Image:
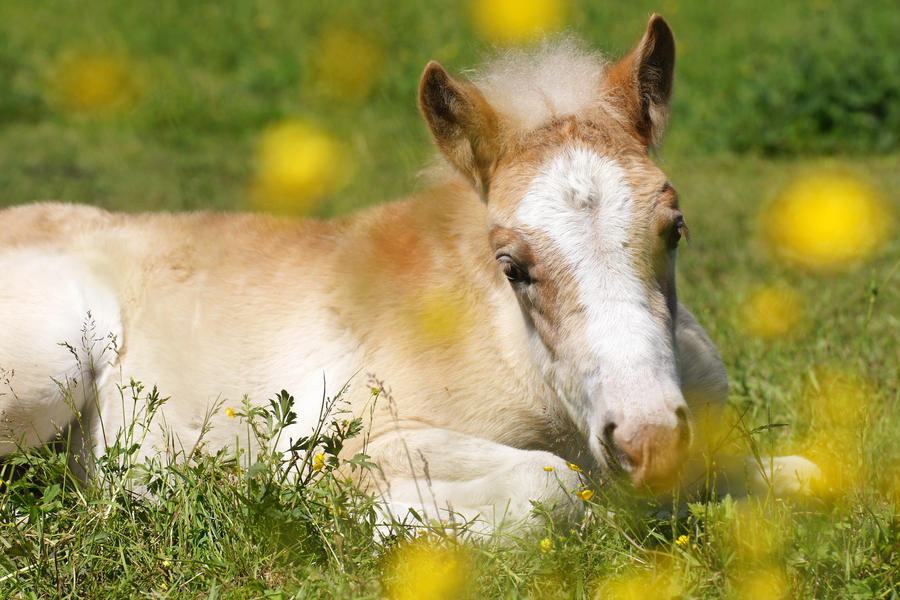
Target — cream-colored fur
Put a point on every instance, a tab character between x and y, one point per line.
487	397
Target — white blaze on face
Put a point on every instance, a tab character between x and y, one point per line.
624	360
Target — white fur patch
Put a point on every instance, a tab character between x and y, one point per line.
583	202
47	300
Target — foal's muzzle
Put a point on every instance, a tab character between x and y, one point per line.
650	455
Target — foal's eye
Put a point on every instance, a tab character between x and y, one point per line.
679	231
513	270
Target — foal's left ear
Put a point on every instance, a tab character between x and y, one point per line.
463	124
642	81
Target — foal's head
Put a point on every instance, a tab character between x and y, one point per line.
585	228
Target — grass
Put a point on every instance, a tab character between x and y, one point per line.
211	77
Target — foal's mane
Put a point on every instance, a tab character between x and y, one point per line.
529	88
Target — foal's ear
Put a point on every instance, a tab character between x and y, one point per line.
642	81
463	124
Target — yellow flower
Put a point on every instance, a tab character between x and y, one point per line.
767	583
442	315
318	462
422	570
95	82
772	311
682	540
574	467
297	164
229	413
662	581
546	545
347	62
517	21
585	494
165	564
548	469
826	221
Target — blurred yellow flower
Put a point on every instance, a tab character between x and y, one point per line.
661	582
347	62
838	408
548	468
95	82
297	164
826	221
421	570
229	413
758	533
442	315
585	494
318	462
573	466
682	540
772	311
546	545
517	21
767	583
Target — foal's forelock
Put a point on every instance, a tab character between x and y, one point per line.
612	338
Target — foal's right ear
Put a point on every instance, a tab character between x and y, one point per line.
463	124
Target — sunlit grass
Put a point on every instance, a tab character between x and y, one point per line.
200	113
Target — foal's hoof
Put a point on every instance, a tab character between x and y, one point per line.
788	476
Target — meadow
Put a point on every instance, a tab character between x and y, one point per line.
186	106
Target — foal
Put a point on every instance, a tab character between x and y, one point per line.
522	311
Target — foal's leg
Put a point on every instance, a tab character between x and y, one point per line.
704	385
450	476
59	330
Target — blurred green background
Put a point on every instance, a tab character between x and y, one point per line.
182	105
204	79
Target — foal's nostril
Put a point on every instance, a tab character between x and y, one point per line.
608	438
684	426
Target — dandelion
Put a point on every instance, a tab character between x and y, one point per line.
772	311
682	541
826	222
767	583
546	545
517	21
95	82
318	462
574	467
229	412
297	164
661	581
421	570
548	469
441	315
585	494
839	406
347	62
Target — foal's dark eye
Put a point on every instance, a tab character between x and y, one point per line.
679	231
515	272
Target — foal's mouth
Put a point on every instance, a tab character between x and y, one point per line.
618	464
